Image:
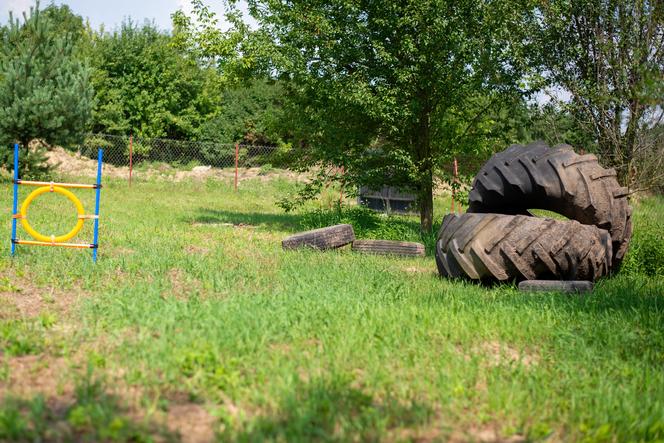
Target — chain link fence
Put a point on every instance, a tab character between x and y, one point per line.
131	150
140	157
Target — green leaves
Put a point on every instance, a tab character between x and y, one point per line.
45	89
609	56
147	85
406	79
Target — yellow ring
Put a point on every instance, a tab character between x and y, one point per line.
57	189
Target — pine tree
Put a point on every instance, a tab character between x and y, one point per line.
45	90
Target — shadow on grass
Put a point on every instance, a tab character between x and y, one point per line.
332	410
281	222
92	415
366	223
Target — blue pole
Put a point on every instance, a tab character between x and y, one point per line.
15	206
95	242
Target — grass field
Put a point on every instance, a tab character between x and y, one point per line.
195	325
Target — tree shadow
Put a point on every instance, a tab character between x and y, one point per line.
330	409
102	417
281	222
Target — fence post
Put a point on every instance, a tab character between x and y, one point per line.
456	181
343	182
456	176
452	209
237	152
131	156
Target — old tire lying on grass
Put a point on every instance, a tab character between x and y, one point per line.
330	237
389	247
556	179
505	247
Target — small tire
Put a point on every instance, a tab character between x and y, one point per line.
507	247
557	179
331	237
389	247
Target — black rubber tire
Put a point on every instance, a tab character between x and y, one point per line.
389	247
330	237
506	247
556	179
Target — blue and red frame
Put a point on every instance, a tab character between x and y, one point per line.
15	214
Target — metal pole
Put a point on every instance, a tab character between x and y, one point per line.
341	192
15	205
454	182
95	241
237	152
456	177
131	156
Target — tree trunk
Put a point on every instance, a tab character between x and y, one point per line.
425	166
628	142
426	201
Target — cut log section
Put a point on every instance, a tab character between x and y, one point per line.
331	237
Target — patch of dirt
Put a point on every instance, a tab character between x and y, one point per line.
436	432
37	374
29	300
183	286
52	378
234	225
119	250
192	422
196	250
484	434
70	163
420	270
497	353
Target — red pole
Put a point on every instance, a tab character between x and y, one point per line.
341	192
456	178
456	173
237	152
131	156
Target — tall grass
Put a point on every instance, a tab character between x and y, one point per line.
194	301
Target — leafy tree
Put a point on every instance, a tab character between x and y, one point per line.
387	89
65	22
45	91
251	114
609	55
147	86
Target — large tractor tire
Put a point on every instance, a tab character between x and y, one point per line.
507	247
556	179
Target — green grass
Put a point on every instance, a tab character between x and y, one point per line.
193	301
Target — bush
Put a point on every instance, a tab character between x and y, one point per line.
646	250
32	164
113	151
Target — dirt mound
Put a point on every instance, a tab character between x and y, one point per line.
74	164
70	163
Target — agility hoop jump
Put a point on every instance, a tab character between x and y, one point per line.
58	188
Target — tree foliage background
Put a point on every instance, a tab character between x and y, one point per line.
390	91
609	56
45	89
